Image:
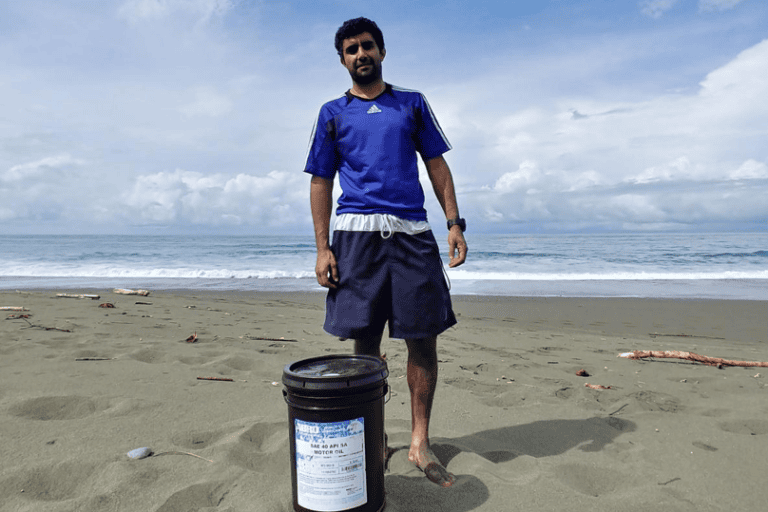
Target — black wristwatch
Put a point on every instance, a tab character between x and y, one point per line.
458	222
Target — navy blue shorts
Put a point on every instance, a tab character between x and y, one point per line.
399	280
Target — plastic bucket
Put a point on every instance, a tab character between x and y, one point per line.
336	420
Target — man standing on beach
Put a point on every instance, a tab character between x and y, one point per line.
384	264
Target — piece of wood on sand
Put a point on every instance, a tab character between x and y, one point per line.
124	291
690	356
13	308
78	296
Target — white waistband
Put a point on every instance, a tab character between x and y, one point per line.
383	222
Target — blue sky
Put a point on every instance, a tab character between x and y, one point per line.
193	116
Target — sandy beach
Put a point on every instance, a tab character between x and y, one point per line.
82	385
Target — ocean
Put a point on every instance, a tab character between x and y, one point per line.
669	265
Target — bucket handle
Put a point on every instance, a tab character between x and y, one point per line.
388	393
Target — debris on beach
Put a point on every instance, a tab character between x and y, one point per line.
106	305
146	451
124	291
26	317
261	338
220	379
582	373
655	334
78	296
596	386
690	356
13	308
140	453
17	317
192	338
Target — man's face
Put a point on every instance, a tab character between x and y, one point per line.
362	58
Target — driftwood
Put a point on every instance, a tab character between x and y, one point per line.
690	356
124	291
596	386
12	308
259	338
78	296
655	334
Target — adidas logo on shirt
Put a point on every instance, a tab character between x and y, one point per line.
374	109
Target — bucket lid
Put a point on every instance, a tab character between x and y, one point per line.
335	372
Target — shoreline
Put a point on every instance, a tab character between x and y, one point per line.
511	418
716	289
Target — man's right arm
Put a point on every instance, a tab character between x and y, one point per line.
321	202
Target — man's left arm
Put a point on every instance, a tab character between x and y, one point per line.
442	183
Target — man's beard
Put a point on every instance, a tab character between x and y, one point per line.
368	79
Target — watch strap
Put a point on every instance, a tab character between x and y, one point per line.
457	222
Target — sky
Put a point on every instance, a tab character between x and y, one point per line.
194	116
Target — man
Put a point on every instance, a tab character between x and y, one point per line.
384	264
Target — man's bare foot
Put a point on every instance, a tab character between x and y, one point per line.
427	461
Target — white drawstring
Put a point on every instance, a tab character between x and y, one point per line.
387	227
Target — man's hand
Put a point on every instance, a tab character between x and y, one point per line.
456	241
326	269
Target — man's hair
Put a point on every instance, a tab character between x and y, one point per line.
355	27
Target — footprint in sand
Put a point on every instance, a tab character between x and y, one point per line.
652	401
196	497
471	384
52	483
239	363
196	440
149	355
265	445
745	427
193	361
551	350
48	408
590	481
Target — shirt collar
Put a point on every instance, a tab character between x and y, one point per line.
387	90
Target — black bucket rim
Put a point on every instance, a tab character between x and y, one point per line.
297	381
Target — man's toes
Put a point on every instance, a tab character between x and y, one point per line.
438	474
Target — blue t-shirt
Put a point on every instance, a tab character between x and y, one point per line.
372	144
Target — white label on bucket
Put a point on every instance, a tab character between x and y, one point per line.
330	465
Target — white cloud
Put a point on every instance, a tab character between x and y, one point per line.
526	175
678	169
717	5
38	168
675	140
750	170
741	81
656	8
276	199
